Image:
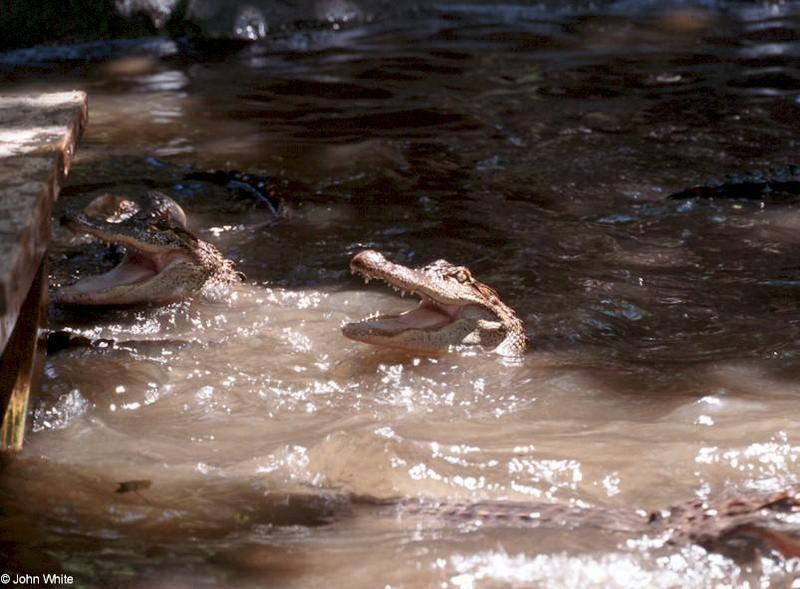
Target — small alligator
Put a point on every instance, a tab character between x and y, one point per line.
455	310
780	185
164	262
248	190
262	191
740	526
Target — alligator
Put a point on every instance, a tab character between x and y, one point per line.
261	191
244	190
59	340
455	310
164	262
740	526
776	186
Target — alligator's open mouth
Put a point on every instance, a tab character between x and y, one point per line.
140	269
429	326
429	315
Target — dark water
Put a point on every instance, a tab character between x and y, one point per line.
539	150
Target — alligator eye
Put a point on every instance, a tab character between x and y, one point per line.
463	276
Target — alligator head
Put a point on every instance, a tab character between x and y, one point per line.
455	310
163	262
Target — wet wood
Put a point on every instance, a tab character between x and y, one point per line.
21	362
38	138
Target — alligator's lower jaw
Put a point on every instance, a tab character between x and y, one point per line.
138	279
431	327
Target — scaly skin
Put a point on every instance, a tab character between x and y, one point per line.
740	526
164	261
456	310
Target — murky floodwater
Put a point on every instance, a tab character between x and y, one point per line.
536	149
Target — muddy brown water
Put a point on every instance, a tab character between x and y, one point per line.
535	148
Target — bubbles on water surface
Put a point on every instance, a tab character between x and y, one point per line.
60	415
250	23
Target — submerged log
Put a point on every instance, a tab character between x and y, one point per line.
38	137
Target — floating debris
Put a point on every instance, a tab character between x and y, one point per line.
133	486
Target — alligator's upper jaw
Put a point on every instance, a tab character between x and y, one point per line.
371	265
139	278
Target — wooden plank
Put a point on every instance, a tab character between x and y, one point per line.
38	138
21	362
